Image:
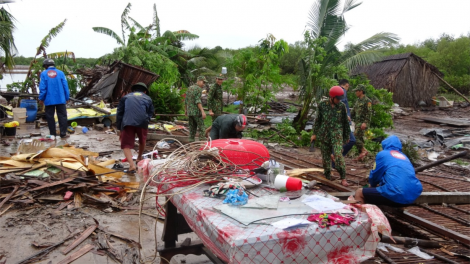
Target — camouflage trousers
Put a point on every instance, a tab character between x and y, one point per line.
196	124
214	117
359	134
335	146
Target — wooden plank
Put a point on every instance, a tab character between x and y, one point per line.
80	239
9	196
435	227
77	254
448	121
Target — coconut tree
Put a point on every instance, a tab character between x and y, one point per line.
7	43
322	60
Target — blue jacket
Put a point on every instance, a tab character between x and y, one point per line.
395	174
53	88
134	109
345	101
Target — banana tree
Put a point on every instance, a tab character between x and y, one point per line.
327	21
32	77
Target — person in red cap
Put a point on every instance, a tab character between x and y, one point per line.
227	126
332	130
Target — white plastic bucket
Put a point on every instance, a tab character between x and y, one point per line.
19	114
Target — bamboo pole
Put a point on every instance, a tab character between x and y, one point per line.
455	90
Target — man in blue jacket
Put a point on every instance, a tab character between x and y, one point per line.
393	179
54	94
132	118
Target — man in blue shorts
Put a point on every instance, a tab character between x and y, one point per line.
393	181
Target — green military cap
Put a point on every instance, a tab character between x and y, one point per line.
202	78
141	84
220	76
360	87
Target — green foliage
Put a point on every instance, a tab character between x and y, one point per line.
382	102
7	41
461	162
408	148
288	132
166	99
292	109
259	71
289	62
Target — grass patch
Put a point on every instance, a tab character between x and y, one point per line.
461	162
451	97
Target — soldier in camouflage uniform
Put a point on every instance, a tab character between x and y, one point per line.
332	130
194	111
214	99
361	115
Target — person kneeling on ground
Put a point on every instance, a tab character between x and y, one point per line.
133	116
395	177
227	126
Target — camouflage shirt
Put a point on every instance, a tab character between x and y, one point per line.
193	98
362	111
331	122
214	99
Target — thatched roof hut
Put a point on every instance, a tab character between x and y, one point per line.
410	78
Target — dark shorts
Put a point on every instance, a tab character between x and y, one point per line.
372	196
128	136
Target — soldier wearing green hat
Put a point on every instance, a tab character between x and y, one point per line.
361	115
194	111
214	99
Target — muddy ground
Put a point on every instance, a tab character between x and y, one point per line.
41	223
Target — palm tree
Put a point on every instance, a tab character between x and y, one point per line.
323	60
7	42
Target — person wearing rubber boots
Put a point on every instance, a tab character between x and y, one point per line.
361	115
54	94
332	130
215	100
194	111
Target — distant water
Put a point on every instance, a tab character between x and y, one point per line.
8	79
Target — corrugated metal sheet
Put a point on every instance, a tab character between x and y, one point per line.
116	82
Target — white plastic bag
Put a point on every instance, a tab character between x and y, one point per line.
417	252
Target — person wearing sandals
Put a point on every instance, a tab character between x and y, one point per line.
132	118
361	115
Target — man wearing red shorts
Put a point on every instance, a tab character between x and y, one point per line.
132	118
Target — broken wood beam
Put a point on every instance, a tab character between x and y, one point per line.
92	106
411	241
435	227
9	196
435	163
425	197
77	254
455	90
80	239
45	251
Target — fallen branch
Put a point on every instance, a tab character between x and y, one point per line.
435	163
92	106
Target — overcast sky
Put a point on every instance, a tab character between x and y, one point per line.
229	24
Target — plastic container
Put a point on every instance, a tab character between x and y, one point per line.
31	109
291	184
84	130
78	130
248	154
74	124
19	114
9	131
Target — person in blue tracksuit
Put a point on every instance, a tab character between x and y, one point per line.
393	181
54	94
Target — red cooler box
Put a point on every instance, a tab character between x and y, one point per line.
248	154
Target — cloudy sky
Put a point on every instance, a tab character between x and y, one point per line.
230	24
